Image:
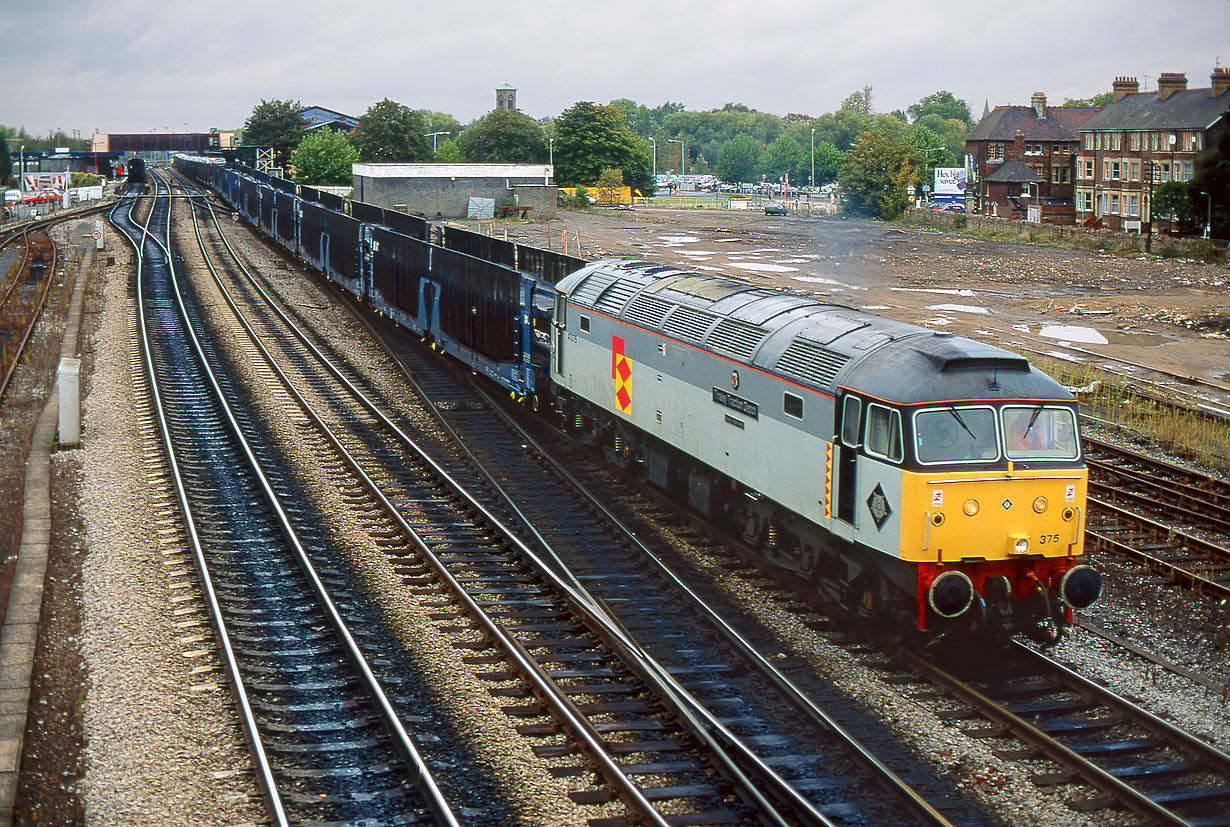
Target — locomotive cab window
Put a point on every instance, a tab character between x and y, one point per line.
1039	432
956	434
884	432
792	405
585	324
850	410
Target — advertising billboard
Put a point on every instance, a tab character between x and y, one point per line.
44	186
949	184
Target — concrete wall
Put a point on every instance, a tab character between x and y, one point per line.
446	190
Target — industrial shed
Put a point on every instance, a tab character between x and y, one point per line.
446	189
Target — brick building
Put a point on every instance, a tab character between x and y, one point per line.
1019	156
1143	140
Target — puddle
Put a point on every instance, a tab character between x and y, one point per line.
1120	337
938	322
1073	333
816	280
876	307
698	253
960	308
763	268
678	239
943	291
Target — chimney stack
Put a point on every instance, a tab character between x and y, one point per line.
1220	80
1169	83
1124	86
1038	101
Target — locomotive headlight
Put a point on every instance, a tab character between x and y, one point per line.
1040	504
970	508
1021	545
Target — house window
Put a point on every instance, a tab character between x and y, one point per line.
1086	201
1134	141
1133	205
1134	170
1088	162
1163	173
1114	203
1116	139
1199	142
1055	173
1067	175
1114	170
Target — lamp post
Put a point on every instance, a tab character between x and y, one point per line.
654	144
433	135
551	151
813	157
683	160
1208	221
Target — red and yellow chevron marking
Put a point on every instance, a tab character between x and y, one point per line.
828	480
621	369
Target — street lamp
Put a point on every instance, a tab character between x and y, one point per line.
551	151
655	158
1208	221
683	161
433	135
812	181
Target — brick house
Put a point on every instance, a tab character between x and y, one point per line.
1043	140
1143	140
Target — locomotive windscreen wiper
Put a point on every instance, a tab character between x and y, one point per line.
1032	419
961	422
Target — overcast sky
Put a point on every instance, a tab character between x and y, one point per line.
137	66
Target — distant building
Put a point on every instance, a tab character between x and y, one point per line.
506	97
1042	141
316	117
1143	140
447	189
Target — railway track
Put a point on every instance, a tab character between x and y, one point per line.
1114	754
24	293
326	742
1173	520
633	695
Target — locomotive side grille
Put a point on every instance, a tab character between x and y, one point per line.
615	297
647	311
688	323
737	338
811	362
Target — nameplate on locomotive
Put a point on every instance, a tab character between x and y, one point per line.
736	403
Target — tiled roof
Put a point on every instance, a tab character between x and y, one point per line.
1012	172
1189	109
1062	123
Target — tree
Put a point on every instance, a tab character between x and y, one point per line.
504	136
609	184
1099	100
590	138
858	101
6	161
942	103
828	162
1212	181
447	152
277	124
390	132
1173	201
441	122
739	159
785	157
951	132
324	157
875	173
931	153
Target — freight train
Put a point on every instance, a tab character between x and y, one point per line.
926	483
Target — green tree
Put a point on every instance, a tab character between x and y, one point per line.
1210	187
875	173
859	101
447	152
277	124
609	183
1098	100
6	162
441	122
504	136
590	138
324	157
942	103
785	157
390	132
931	153
739	159
828	162
1173	201
951	132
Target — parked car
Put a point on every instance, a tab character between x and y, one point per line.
775	208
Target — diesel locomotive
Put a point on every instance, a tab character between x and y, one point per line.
927	483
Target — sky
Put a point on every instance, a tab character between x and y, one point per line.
134	66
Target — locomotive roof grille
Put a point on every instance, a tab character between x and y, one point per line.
647	311
688	323
593	285
737	338
615	297
811	363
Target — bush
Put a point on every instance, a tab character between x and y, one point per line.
1206	251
